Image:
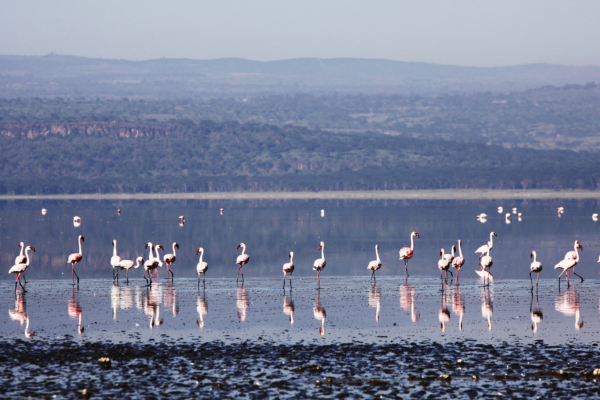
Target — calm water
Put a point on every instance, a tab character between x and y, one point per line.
347	306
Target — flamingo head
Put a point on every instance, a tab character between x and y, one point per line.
578	246
82	238
21	244
200	249
321	245
158	246
415	234
376	247
114	242
291	255
140	260
148	245
441	252
176	245
599	259
240	245
453	248
494	233
532	254
30	248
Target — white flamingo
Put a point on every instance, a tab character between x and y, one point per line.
536	267
151	264
459	261
202	266
115	259
444	262
20	259
487	262
288	268
406	253
75	258
170	259
18	269
320	263
569	262
484	249
128	264
375	264
242	260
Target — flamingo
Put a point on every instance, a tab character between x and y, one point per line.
536	267
406	253
19	313
76	221
18	269
115	259
514	210
151	264
445	262
487	262
507	218
594	217
202	266
157	258
459	261
181	220
20	259
242	260
44	211
289	268
375	264
170	259
569	263
128	264
320	263
483	249
221	211
500	210
75	258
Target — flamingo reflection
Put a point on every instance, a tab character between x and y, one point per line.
120	298
536	315
458	306
407	301
151	304
171	298
242	302
75	310
320	313
568	304
202	309
375	300
19	313
487	305
288	306
444	313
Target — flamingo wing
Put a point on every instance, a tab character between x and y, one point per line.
458	262
482	249
15	269
319	264
406	253
243	259
75	257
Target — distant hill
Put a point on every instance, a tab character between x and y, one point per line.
57	75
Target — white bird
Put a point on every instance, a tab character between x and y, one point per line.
594	217
44	211
20	259
487	262
483	249
482	218
375	264
115	259
507	218
75	258
500	210
320	263
202	266
128	264
242	260
519	216
445	262
570	261
459	261
152	263
170	259
514	210
289	268
536	267
18	269
76	221
406	253
322	213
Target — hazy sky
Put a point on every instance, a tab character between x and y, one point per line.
459	32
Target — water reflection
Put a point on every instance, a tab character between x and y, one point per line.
75	310
444	313
375	300
121	298
458	306
202	308
487	305
151	299
536	314
320	313
288	306
243	303
19	312
171	298
568	304
407	301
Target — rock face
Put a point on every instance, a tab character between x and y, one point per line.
110	129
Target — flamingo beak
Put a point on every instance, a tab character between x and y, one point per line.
495	234
176	245
82	239
146	246
417	235
239	245
32	249
580	246
319	247
531	255
197	251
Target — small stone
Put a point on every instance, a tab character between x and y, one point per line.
318	383
596	372
446	377
474	378
394	324
460	361
104	362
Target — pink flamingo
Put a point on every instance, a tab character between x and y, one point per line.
202	266
288	268
459	261
242	260
75	258
487	262
572	254
170	259
569	263
115	260
484	249
20	259
375	264
536	267
406	253
151	264
320	263
445	262
18	269
128	264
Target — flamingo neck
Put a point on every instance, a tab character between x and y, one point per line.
534	256
377	253
243	249
412	242
157	255
80	250
460	248
443	253
491	240
150	257
22	246
292	259
201	254
115	249
323	252
174	250
27	257
577	253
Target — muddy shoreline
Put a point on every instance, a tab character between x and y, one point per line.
259	369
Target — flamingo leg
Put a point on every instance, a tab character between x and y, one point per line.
537	280
318	279
291	279
531	280
577	275
74	274
127	276
406	267
242	267
238	273
172	274
284	275
25	279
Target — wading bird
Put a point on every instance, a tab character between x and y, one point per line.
459	261
170	259
242	260
115	259
18	269
445	262
569	262
20	259
202	266
484	249
75	258
536	267
320	263
128	264
375	264
406	253
487	262
288	268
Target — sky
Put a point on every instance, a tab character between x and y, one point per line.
480	33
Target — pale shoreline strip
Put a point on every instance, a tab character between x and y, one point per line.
435	194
